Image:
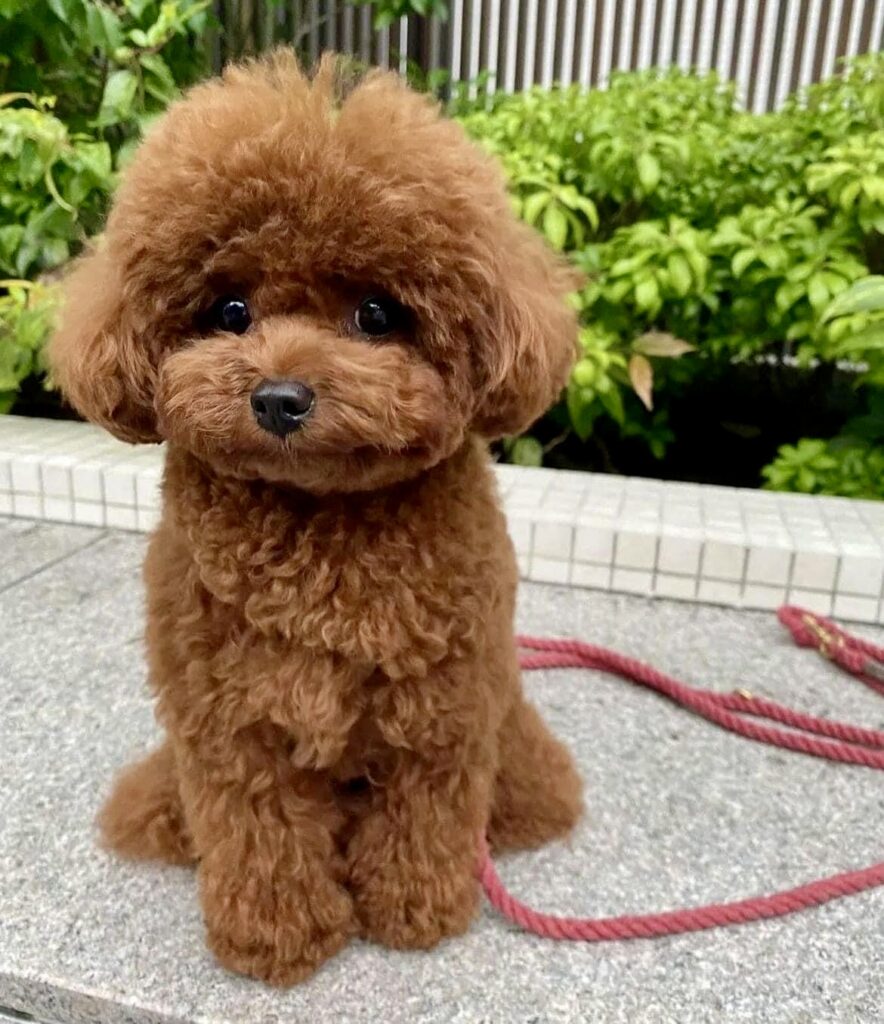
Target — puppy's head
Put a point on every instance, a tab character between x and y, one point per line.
314	288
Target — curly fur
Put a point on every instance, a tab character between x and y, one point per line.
329	614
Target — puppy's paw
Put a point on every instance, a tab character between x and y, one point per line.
279	934
406	907
292	957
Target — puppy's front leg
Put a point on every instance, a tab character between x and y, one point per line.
412	858
269	872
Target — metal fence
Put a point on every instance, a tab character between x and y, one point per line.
770	47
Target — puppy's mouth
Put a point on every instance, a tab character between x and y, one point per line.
323	420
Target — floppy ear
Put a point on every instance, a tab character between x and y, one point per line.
96	359
532	336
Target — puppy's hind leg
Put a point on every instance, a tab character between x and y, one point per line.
143	818
538	793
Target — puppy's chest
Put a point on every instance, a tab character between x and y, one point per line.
384	589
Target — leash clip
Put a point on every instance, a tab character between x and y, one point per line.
828	641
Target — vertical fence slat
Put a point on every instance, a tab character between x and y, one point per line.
403	45
511	46
456	39
569	33
627	28
707	35
811	34
686	33
382	37
768	43
364	34
435	45
606	42
347	28
830	53
586	44
666	41
787	51
474	45
726	36
647	26
529	43
856	24
549	43
747	46
313	32
330	28
493	25
877	40
530	51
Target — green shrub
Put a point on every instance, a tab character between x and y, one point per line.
26	314
852	462
79	80
727	233
108	64
53	186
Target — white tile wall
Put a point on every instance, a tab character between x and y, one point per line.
76	473
751	549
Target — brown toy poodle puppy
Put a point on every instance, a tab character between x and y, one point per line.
317	294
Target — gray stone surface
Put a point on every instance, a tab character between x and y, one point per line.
679	813
26	547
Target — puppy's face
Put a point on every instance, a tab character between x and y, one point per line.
329	293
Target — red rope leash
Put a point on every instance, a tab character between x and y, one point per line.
737	712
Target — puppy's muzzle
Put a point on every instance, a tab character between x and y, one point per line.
281	406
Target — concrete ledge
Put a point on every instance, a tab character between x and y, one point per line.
691	542
679	814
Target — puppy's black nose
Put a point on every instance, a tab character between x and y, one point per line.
281	406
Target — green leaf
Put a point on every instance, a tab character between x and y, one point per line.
679	273
95	34
533	206
612	400
647	295
848	195
741	261
95	158
159	81
817	291
869	340
774	256
113	28
629	264
788	294
863	296
118	97
527	451
555	226
582	409
648	171
138	7
66	11
384	18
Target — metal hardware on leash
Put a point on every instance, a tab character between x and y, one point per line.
737	712
828	641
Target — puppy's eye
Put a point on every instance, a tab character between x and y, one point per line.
377	315
230	313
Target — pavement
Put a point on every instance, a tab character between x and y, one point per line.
679	814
